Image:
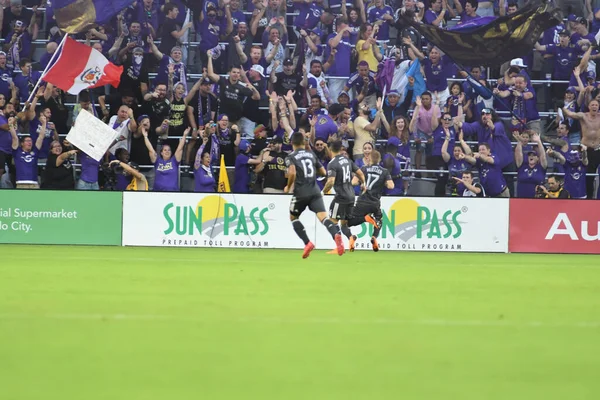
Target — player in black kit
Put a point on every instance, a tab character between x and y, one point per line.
339	177
303	168
368	205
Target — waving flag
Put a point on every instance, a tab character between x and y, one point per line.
81	67
74	16
495	42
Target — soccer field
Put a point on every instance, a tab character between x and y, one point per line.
150	323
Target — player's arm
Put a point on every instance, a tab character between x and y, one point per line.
329	184
321	171
291	178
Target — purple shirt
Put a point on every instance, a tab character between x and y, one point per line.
167	175
205	182
528	178
34	130
490	176
575	179
498	141
308	15
565	59
26	164
89	169
325	127
341	64
242	174
398	189
376	14
437	75
210	33
438	140
356	82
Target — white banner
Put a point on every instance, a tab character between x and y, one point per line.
453	224
91	135
257	221
211	220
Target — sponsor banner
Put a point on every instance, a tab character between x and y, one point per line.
554	226
262	221
60	217
211	220
435	224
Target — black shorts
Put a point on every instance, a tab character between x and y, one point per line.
340	211
314	203
363	208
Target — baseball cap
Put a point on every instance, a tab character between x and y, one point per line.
316	31
393	92
19	23
276	140
572	17
486	111
244	146
591	74
571	89
532	152
205	81
581	20
288	61
142	117
394	140
343	93
258	68
517	62
564	32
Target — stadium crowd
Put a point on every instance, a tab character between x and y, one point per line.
212	78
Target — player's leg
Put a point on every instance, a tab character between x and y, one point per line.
357	214
317	206
377	216
296	208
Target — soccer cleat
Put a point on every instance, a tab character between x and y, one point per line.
370	218
352	241
374	244
307	249
339	244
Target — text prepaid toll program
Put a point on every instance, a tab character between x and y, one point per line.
30	214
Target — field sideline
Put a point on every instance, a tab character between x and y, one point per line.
100	323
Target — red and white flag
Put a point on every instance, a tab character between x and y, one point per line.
81	67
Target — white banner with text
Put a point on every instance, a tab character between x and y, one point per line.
262	221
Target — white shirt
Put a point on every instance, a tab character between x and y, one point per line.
122	131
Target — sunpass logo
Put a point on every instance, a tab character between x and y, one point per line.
214	216
406	218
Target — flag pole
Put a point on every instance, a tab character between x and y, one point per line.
34	90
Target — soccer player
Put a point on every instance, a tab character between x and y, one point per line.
303	167
339	177
368	205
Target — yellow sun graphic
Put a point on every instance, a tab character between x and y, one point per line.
213	207
405	210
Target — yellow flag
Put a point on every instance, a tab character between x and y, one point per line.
223	178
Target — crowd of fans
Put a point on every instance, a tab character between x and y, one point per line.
212	78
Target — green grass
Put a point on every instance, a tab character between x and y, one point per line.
132	323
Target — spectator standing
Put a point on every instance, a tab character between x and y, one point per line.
172	31
26	156
229	139
445	132
166	166
576	164
232	92
364	130
205	182
532	173
456	163
490	172
338	55
26	81
59	174
367	48
124	124
425	120
243	162
467	188
88	179
272	163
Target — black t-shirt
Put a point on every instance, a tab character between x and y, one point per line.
60	114
204	102
138	152
275	171
9	18
178	120
133	76
251	106
227	146
157	111
288	82
307	165
167	41
232	98
60	177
